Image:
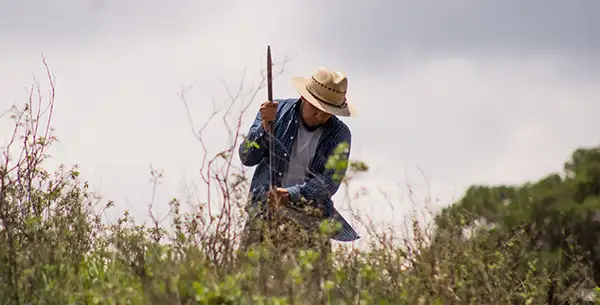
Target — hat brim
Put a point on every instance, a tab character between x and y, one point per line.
300	84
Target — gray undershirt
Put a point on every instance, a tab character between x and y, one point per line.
302	152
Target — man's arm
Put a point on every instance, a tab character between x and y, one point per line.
326	183
255	144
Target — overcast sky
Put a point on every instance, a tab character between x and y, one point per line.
469	91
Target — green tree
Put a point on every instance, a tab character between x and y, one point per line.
556	221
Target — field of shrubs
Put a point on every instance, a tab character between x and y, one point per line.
534	243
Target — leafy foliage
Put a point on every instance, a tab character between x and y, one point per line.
556	221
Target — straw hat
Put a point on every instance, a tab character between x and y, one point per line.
325	90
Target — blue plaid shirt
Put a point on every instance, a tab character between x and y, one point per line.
320	184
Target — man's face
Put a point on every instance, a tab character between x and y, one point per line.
312	115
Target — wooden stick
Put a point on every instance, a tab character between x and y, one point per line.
271	124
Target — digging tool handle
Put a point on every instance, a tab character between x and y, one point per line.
271	131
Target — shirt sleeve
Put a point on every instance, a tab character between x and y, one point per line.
325	183
255	145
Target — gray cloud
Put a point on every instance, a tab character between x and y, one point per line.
468	121
89	24
376	30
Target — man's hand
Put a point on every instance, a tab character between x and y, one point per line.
278	197
268	112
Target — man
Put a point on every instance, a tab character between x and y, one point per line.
307	133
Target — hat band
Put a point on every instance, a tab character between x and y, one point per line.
318	97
